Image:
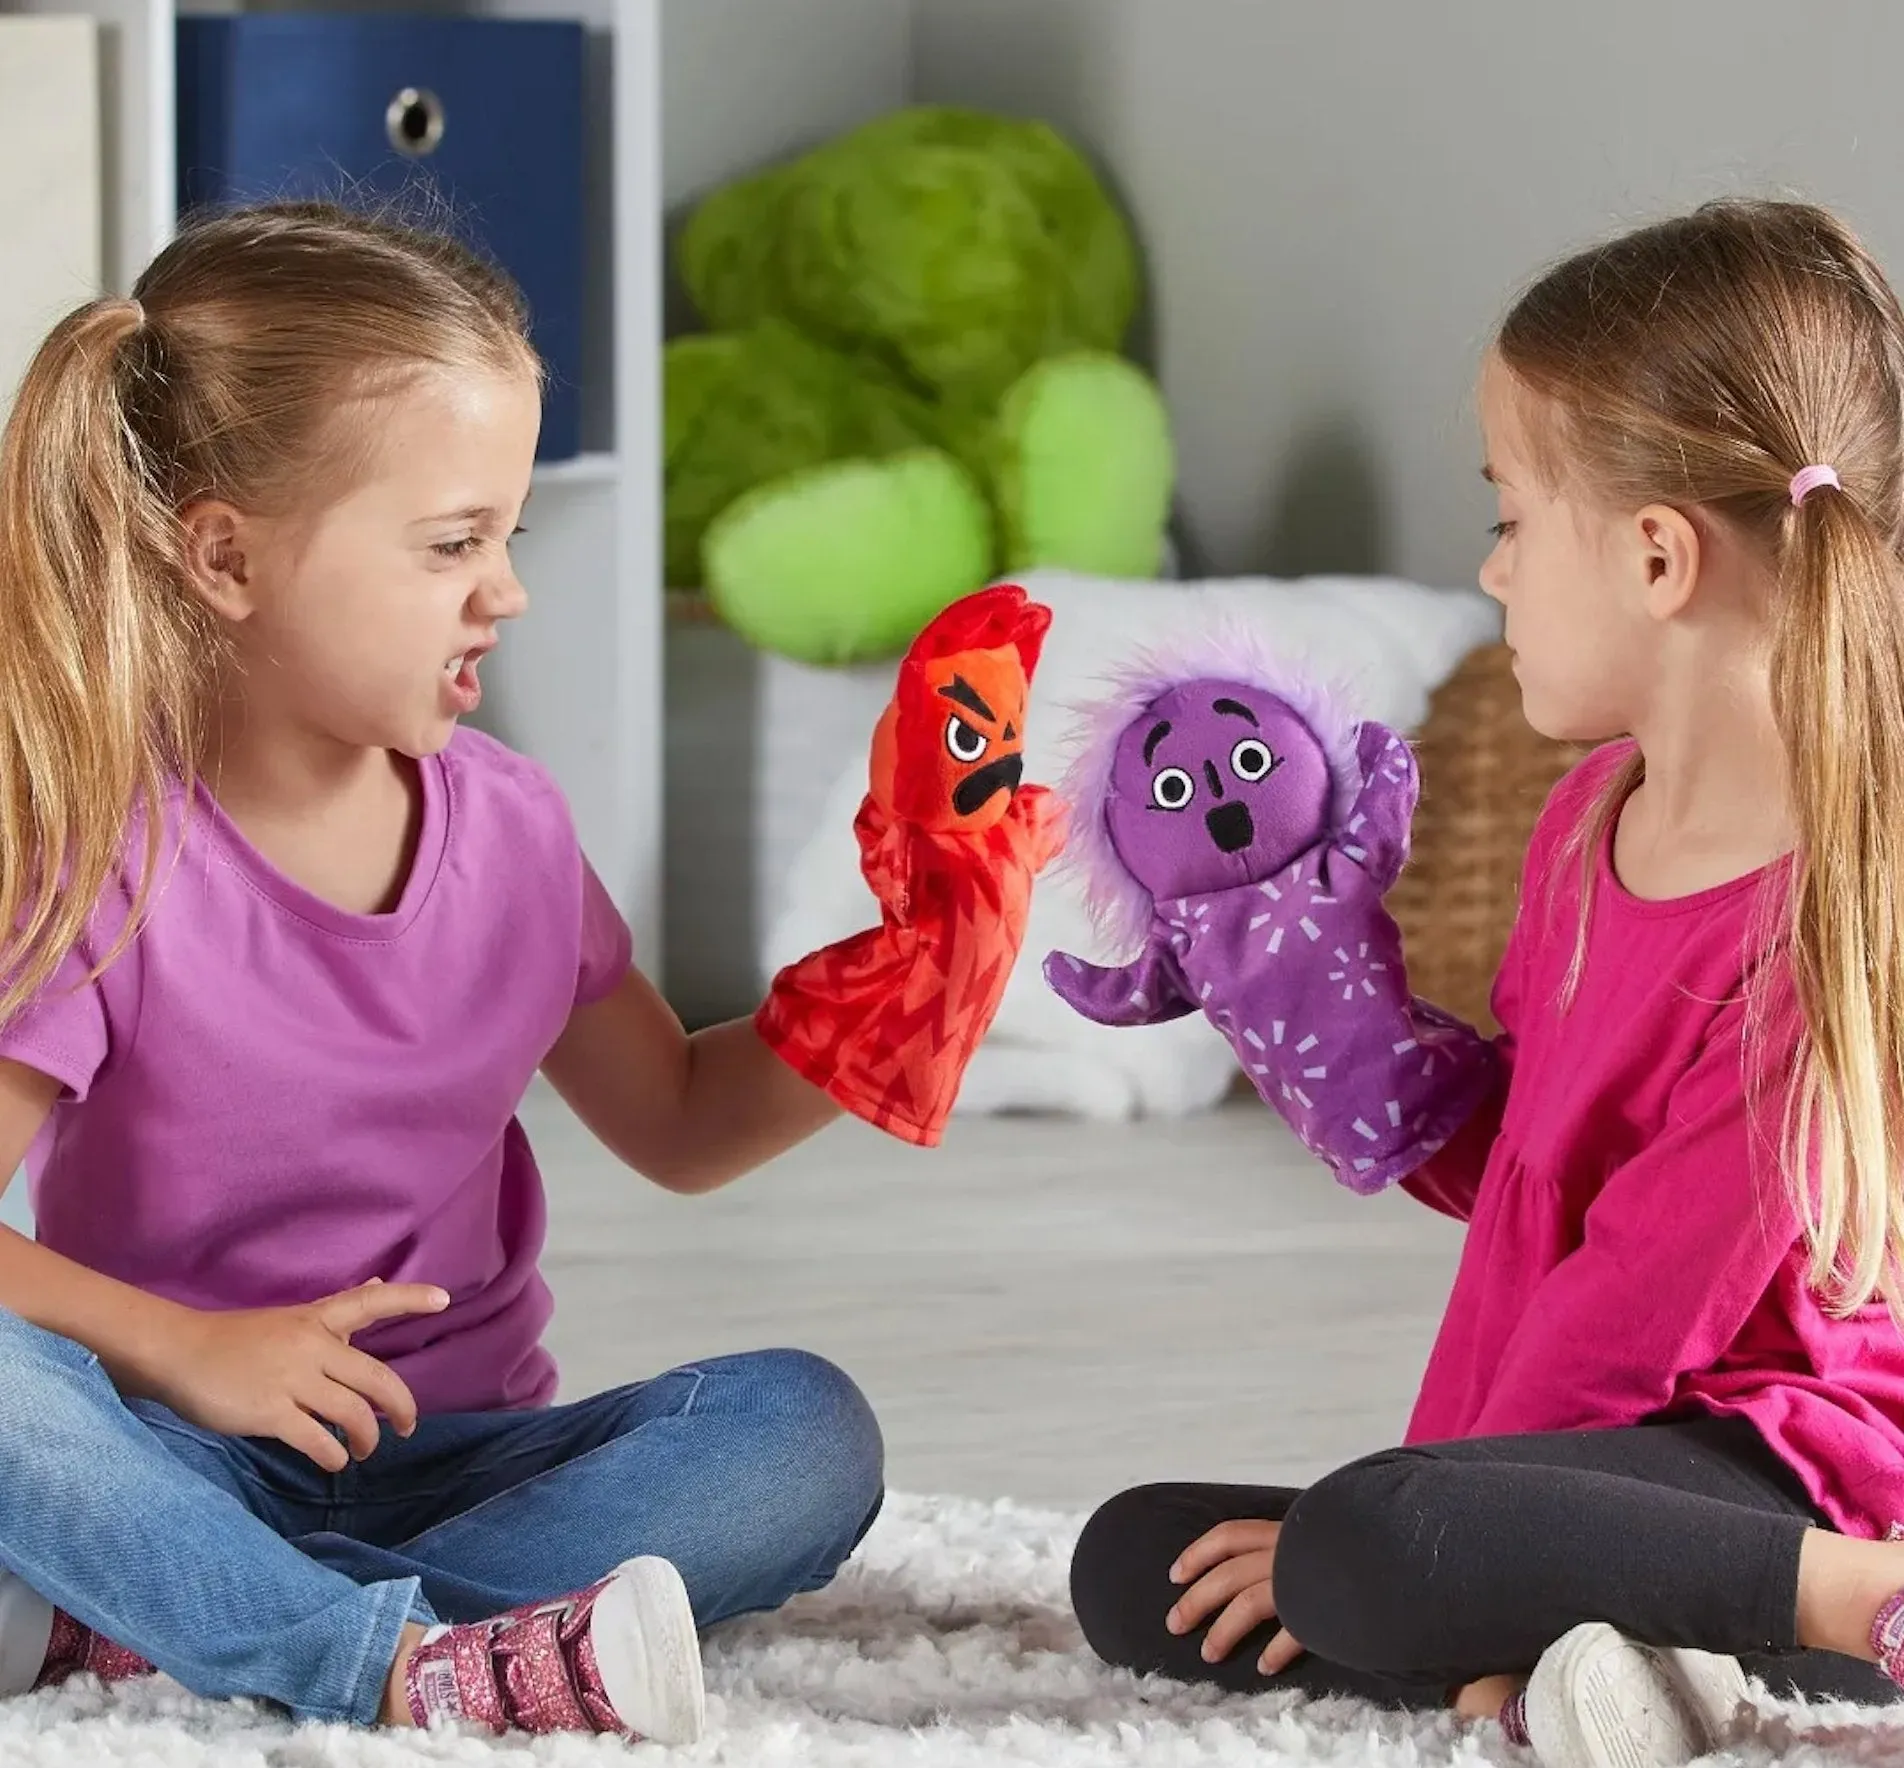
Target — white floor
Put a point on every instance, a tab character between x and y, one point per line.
1041	1313
1037	1309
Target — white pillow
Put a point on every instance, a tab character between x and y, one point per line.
1387	643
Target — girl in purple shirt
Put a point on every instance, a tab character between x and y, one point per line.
282	948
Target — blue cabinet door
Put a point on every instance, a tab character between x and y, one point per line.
488	112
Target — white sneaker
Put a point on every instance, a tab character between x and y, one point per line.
620	1657
648	1652
1598	1700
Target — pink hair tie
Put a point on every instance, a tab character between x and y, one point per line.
1807	480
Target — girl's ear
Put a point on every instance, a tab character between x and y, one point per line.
215	565
1669	556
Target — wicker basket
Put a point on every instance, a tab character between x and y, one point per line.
1485	774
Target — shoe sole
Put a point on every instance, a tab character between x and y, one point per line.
1714	1685
26	1628
1598	1700
649	1653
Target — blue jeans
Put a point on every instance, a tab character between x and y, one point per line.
239	1567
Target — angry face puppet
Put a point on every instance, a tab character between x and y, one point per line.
949	752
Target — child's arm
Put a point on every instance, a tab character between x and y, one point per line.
273	1372
690	1113
116	1322
1450	1179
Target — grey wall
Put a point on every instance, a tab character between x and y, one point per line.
1338	199
744	82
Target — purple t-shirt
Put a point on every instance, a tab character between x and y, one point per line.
268	1099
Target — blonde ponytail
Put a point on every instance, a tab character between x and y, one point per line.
1838	690
1702	362
240	372
102	656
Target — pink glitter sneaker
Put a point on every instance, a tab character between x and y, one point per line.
1887	1638
73	1649
40	1645
620	1657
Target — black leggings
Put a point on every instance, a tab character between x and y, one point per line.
1418	1570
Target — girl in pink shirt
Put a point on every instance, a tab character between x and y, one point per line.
1660	1439
281	947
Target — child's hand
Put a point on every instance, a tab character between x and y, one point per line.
1230	1568
282	1372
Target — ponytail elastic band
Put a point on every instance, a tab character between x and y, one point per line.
1807	480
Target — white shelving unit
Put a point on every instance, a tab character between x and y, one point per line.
577	684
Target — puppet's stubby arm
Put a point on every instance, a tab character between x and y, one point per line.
1375	834
1149	990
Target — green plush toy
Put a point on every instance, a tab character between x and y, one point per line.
910	385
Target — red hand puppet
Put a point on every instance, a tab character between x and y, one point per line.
950	840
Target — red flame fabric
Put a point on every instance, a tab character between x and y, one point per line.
950	840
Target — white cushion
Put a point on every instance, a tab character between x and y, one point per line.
1389	643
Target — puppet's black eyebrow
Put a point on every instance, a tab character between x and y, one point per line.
967	696
1155	737
1235	708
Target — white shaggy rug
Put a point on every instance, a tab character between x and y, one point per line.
946	1643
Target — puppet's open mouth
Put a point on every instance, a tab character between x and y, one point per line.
1001	775
1231	826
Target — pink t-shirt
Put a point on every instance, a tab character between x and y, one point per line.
268	1099
1627	1257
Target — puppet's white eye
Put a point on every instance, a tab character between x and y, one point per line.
1172	789
1251	759
962	741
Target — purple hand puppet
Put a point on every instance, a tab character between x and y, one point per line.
1234	825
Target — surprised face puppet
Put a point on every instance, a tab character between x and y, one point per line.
1215	784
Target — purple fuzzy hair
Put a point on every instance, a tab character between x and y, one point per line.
1226	650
